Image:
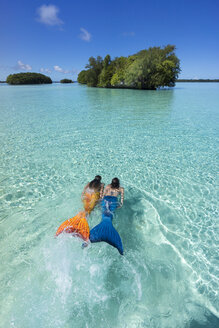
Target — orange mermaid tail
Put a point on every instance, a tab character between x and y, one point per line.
90	201
78	225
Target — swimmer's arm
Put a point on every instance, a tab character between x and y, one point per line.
105	190
101	190
122	196
84	190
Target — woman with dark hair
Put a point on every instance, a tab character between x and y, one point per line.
105	231
91	193
78	224
114	189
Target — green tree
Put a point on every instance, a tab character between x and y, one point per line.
66	81
148	69
106	73
28	78
94	69
121	64
82	77
153	68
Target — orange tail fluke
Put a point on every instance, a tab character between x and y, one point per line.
90	201
78	225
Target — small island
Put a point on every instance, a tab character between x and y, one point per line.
197	80
148	69
28	78
66	81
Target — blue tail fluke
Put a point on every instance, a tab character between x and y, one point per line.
105	231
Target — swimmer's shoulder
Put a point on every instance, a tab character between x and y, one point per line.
87	185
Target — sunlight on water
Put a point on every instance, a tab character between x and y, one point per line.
163	146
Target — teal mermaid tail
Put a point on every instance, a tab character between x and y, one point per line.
105	231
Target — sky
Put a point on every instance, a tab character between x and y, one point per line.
57	37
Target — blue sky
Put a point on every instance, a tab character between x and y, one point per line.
58	37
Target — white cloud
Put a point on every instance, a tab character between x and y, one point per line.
85	35
23	66
45	70
57	68
49	15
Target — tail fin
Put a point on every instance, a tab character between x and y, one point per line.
105	231
78	225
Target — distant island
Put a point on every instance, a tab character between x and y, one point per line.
197	80
28	78
66	81
148	69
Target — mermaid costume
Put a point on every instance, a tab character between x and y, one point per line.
90	199
105	231
78	225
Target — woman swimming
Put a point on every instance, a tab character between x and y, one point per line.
105	231
114	190
78	224
92	192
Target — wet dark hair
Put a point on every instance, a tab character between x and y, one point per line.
115	183
96	182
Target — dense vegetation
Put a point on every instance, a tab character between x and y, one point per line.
66	81
28	78
148	69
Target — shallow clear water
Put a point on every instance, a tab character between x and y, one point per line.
163	145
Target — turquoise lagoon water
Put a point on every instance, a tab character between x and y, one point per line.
163	146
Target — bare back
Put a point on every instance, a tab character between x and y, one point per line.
89	190
109	191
